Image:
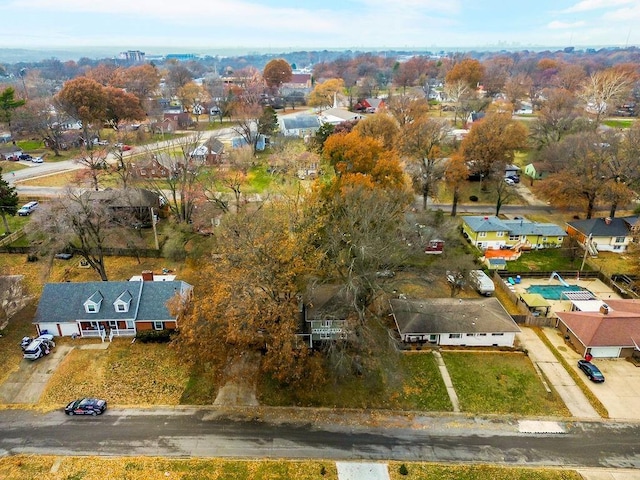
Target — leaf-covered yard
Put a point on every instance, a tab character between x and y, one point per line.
123	374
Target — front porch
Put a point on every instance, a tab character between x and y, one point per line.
104	330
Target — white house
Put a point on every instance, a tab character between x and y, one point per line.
454	321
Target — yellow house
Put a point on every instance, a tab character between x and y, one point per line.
491	232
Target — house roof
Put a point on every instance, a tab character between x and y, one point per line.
296	122
597	329
64	302
485	224
600	227
527	227
452	315
131	197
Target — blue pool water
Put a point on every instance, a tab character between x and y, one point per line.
553	292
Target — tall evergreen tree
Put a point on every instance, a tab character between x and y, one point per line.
8	201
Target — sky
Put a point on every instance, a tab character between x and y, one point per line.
200	26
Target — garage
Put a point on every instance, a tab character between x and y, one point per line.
605	352
59	329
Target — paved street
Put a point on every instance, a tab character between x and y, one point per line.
283	433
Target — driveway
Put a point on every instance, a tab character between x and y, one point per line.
555	373
620	393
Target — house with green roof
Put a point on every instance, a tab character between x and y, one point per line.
491	232
108	309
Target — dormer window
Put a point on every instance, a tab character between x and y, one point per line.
92	304
122	303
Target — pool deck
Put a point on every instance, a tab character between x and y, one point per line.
599	289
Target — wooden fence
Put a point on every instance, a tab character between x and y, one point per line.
12	237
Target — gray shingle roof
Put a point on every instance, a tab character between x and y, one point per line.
64	302
598	227
452	315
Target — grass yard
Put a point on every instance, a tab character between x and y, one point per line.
423	471
123	374
10	352
25	467
546	260
500	383
410	381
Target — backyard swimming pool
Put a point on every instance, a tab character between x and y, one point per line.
554	292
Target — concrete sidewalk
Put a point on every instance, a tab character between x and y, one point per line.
556	375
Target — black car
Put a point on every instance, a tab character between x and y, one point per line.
593	372
86	406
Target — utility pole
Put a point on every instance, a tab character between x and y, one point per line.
155	231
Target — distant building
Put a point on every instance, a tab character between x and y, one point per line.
132	56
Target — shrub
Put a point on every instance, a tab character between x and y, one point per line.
154	336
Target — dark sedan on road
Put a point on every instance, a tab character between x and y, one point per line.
591	371
86	406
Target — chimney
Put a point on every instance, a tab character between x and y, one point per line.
604	309
147	276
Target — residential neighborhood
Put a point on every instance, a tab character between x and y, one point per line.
303	242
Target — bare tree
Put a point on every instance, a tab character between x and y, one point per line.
95	163
602	90
181	190
82	224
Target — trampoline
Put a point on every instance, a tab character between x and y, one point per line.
554	292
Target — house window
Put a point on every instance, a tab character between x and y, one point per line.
455	335
499	234
619	240
158	325
482	234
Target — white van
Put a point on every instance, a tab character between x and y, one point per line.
27	209
481	282
39	347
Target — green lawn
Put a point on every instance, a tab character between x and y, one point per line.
546	260
619	123
500	383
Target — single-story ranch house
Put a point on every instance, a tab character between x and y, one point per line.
611	332
454	321
98	309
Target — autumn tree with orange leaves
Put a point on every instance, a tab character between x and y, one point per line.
249	300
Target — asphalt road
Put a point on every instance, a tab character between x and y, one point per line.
196	432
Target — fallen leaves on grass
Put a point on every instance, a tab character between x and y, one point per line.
123	374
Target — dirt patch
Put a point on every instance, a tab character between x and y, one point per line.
239	388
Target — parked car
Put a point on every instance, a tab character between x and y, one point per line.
37	159
39	347
25	156
591	371
122	147
86	406
27	209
